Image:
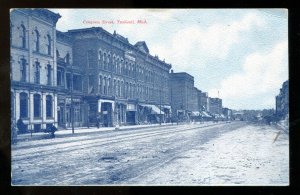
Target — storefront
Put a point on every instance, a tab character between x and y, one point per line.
131	114
106	111
64	112
149	113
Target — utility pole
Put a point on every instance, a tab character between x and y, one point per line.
72	109
160	117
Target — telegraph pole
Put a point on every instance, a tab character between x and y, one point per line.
160	117
72	110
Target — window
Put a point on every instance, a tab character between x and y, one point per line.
49	72
23	105
100	59
23	69
68	79
77	82
48	106
104	61
105	86
37	105
100	84
23	36
37	73
49	44
37	40
57	54
60	77
68	58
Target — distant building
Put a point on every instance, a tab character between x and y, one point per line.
183	94
203	101
215	106
282	101
227	113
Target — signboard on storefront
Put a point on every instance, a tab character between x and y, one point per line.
129	55
131	107
75	100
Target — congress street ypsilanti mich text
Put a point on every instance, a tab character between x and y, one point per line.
139	21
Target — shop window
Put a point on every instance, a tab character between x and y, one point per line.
37	105
23	105
49	106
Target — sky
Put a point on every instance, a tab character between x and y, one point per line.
239	55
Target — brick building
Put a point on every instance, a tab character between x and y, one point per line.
69	85
184	98
121	82
33	67
215	106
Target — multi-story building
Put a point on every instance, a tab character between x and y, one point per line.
69	85
227	113
33	67
122	82
282	101
215	106
203	101
183	94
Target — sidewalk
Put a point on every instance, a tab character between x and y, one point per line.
82	131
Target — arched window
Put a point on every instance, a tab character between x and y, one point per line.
37	40
100	85
100	59
37	105
68	58
23	36
23	105
49	74
48	106
57	54
49	44
23	69
37	73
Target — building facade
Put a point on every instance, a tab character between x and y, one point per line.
33	67
71	106
215	106
282	101
184	99
122	82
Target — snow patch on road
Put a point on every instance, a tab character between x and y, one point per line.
247	156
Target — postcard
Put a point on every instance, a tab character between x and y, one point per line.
149	97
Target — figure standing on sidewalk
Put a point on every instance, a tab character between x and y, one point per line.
98	121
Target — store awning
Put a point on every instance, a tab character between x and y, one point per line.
195	113
205	114
154	109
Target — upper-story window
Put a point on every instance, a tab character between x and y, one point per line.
23	69
68	58
49	44
49	74
100	59
37	40
37	73
23	36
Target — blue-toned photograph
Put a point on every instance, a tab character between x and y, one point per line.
149	97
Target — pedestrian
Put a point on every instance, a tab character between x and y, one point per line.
98	121
13	132
52	130
21	126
